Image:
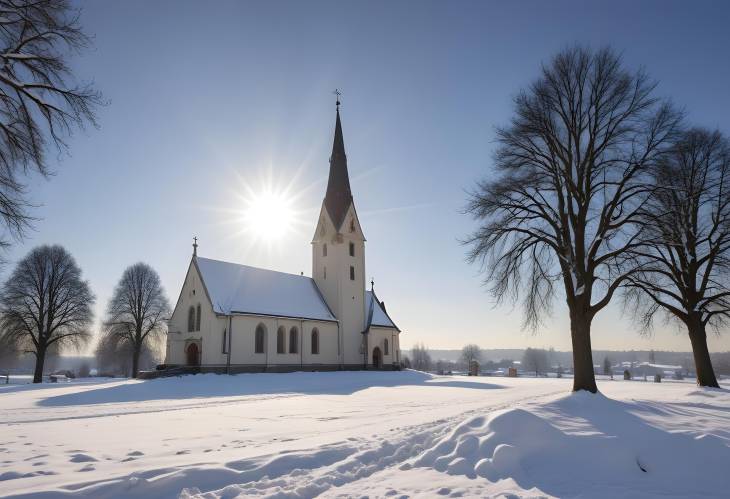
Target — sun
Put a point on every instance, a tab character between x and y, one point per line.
268	215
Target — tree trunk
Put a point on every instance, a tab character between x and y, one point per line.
580	332
703	364
40	359
135	360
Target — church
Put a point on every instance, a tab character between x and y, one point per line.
232	317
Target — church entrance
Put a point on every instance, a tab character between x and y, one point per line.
193	355
377	358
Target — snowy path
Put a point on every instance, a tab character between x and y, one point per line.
308	434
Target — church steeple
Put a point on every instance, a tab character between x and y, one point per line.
339	196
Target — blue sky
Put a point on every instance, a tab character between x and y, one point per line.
209	99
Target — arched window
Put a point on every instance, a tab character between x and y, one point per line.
260	342
281	340
324	250
352	225
191	319
315	341
293	340
385	347
197	319
352	248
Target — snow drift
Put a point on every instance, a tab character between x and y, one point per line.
603	450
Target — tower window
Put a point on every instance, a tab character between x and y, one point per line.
352	248
352	273
324	250
325	272
352	225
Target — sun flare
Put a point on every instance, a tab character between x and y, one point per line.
268	215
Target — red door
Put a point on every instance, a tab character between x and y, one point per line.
193	355
377	358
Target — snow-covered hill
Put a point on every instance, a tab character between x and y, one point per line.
349	434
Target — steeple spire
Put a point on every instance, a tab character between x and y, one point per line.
339	196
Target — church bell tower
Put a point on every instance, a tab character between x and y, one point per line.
338	255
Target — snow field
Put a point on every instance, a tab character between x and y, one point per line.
395	434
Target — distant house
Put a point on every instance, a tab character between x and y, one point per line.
232	317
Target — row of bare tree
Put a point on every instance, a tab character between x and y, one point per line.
46	305
602	187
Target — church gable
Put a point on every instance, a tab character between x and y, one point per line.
193	295
350	228
325	230
351	225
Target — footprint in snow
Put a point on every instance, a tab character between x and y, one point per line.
181	452
136	453
82	458
88	467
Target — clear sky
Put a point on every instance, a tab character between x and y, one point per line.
210	102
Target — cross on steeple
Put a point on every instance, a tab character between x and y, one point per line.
195	246
337	93
372	284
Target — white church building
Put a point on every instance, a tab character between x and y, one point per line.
236	318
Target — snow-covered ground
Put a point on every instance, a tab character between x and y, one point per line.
354	434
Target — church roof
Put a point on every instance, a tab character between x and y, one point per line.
339	196
377	316
235	288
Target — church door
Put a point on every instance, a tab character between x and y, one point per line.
193	355
377	358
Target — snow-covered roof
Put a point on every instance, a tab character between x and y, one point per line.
235	288
377	316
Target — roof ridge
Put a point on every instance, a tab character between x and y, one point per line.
255	268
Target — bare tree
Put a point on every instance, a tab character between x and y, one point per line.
421	358
569	180
138	311
470	353
45	304
40	104
113	357
535	359
607	369
685	264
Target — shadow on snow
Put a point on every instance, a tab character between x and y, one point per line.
215	385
